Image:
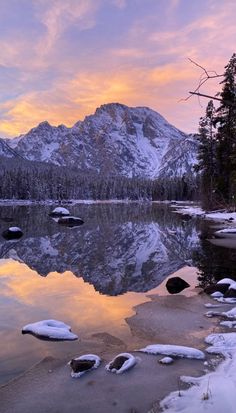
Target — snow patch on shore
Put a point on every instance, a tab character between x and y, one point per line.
213	393
175	351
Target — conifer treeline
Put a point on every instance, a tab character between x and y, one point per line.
217	149
21	179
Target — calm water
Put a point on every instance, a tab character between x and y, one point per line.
91	276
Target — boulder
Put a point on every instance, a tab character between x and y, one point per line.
59	212
70	221
121	363
186	217
175	285
83	364
12	233
79	366
117	363
222	288
231	292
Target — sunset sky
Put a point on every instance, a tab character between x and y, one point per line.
60	59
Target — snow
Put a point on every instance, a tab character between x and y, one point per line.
232	286
210	305
226	281
61	211
139	141
229	324
221	343
226	300
173	350
166	360
197	211
128	364
52	329
14	229
217	294
226	231
92	357
214	392
227	314
221	215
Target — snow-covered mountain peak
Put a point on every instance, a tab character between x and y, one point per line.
116	139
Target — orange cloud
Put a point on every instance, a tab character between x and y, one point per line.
155	87
145	69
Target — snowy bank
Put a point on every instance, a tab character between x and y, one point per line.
214	392
198	211
174	351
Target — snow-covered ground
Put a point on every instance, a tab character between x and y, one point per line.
198	211
216	391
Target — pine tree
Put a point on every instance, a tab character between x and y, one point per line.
226	136
207	164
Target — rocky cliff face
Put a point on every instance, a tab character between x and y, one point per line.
116	140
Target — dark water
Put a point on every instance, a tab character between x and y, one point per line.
91	276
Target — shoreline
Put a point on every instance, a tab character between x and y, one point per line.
89	201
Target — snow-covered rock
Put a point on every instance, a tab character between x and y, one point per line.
175	351
166	360
226	281
83	364
51	329
59	212
216	294
121	363
12	233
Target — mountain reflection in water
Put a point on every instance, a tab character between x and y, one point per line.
120	248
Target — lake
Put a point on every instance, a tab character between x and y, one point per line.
92	276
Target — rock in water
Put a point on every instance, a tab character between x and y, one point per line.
12	233
50	329
121	363
70	221
175	285
59	212
117	363
166	360
211	289
83	364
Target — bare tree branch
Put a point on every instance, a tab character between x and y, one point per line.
205	96
204	77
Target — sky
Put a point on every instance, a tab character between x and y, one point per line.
61	59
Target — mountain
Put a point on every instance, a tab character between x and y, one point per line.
7	150
115	140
